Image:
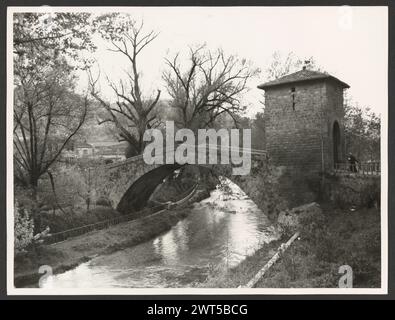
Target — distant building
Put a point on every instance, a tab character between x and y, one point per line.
83	150
113	150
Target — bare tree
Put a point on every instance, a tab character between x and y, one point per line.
282	65
132	113
47	114
212	85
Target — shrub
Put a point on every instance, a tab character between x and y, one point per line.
104	202
23	229
103	213
61	221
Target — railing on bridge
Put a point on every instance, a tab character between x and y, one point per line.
364	168
207	147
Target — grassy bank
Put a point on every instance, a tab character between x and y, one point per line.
69	219
70	253
342	237
45	212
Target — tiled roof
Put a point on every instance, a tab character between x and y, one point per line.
109	152
102	143
83	145
299	76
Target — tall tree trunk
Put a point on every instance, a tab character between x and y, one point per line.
33	183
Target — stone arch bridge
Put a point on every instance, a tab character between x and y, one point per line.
130	183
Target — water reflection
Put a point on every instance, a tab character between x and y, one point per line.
219	231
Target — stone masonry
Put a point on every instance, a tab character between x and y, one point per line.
129	184
304	119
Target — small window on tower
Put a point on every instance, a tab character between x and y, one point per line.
293	98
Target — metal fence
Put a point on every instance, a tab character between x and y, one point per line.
364	168
63	235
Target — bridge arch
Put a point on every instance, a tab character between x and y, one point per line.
129	184
136	196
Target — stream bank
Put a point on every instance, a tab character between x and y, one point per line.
218	232
341	237
70	253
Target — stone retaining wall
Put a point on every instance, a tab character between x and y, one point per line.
352	189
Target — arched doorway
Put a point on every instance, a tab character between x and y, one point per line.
336	143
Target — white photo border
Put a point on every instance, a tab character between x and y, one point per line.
11	290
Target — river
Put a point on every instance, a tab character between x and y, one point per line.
219	232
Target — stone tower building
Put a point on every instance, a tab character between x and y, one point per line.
304	122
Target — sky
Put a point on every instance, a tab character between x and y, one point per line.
348	42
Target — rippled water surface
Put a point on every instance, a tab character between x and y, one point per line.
219	232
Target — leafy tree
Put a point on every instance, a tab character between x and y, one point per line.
75	184
258	133
132	113
363	130
211	85
256	124
39	37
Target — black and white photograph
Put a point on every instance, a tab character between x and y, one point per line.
197	150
